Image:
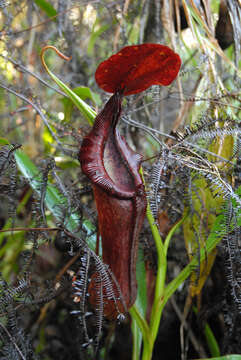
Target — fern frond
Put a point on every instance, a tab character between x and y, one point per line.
80	285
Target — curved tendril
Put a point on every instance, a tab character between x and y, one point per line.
59	53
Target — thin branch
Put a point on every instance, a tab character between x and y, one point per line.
24	69
150	131
67	266
197	346
30	229
47	20
37	109
13	342
212	101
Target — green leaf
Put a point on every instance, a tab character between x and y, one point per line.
84	93
210	338
4	141
137	340
54	200
141	300
213	239
9	253
66	163
211	341
46	7
86	110
194	228
140	304
143	326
